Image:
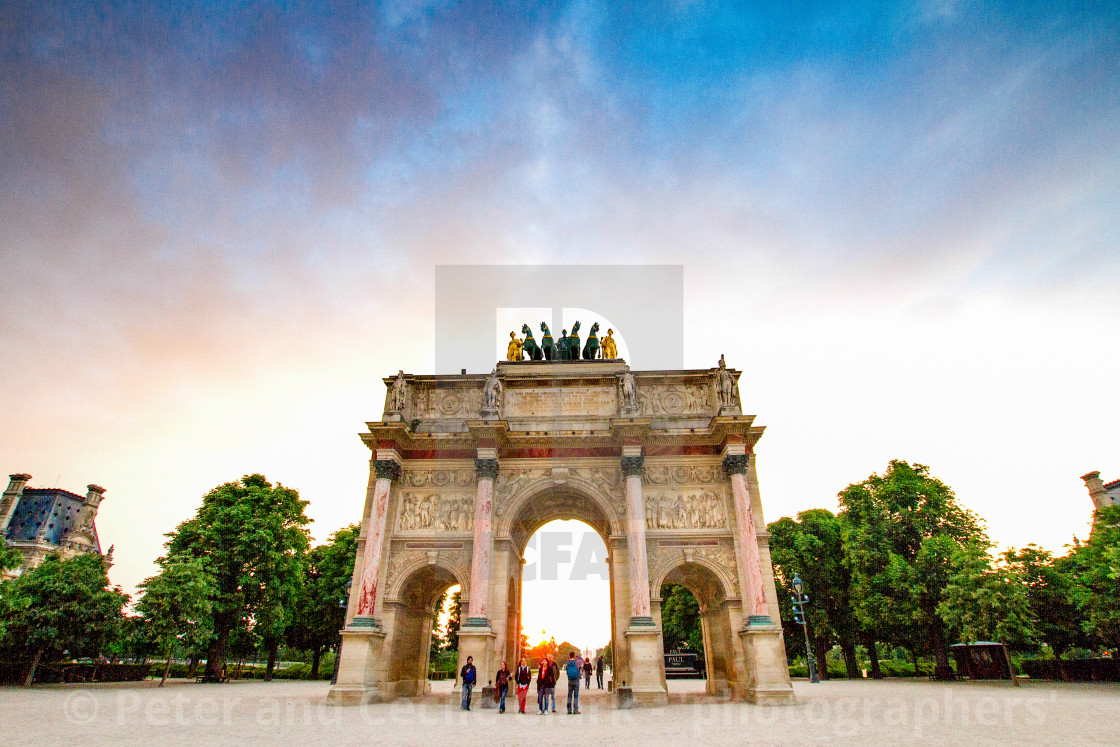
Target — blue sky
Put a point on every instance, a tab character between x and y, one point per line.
219	223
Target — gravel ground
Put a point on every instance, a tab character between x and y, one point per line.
862	711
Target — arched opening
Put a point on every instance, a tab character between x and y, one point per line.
561	537
717	640
413	613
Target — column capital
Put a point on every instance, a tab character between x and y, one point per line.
386	469
486	468
735	464
633	466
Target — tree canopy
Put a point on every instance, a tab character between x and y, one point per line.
253	537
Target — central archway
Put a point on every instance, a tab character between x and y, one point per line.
534	507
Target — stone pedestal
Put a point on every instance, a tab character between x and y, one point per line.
478	643
646	688
489	697
767	681
357	667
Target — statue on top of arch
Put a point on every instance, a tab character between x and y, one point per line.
564	349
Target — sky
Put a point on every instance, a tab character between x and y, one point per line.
219	225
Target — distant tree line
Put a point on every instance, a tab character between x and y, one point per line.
238	580
904	565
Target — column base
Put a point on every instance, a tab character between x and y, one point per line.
767	681
476	642
645	688
357	667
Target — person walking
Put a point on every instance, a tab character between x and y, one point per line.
554	679
545	681
573	670
501	681
523	677
599	671
468	675
587	673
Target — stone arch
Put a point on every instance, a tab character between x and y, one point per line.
409	612
668	565
457	564
710	585
546	499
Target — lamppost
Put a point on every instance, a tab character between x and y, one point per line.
338	652
801	599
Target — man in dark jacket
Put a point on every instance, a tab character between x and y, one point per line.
468	676
599	671
554	674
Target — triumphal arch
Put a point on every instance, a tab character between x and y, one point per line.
465	468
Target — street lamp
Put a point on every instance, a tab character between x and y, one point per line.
338	653
801	599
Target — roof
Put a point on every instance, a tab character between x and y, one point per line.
48	514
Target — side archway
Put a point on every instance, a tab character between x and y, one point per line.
409	609
712	591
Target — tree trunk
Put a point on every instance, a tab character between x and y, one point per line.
914	655
216	656
820	649
167	666
192	666
848	647
272	646
315	662
873	652
941	669
34	665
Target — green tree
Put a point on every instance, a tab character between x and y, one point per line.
319	612
812	547
253	537
680	619
10	557
61	606
904	533
1051	597
987	599
1099	590
177	607
452	634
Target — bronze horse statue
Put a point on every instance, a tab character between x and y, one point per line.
529	347
591	349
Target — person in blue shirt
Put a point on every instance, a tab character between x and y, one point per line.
469	675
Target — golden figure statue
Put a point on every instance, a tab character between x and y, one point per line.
513	352
610	350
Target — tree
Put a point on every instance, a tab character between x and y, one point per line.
453	620
987	600
253	537
177	606
1100	582
319	613
61	606
10	557
812	547
904	530
680	619
1051	597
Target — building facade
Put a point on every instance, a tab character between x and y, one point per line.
42	521
1102	493
465	468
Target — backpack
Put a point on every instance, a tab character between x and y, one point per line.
573	669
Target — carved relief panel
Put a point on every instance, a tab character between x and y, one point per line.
686	509
441	512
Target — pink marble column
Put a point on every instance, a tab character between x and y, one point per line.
632	467
478	610
386	470
754	596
